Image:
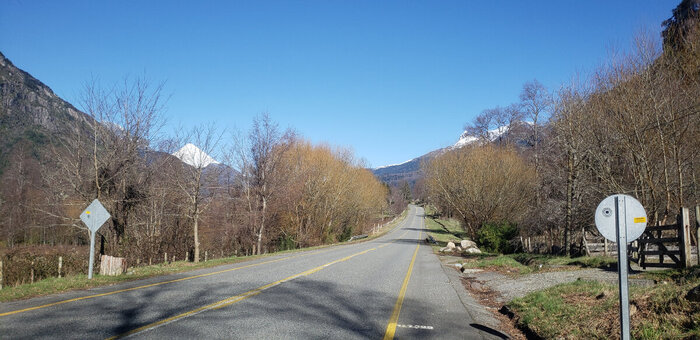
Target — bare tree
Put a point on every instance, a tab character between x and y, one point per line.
257	158
197	172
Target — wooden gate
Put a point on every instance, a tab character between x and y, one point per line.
662	242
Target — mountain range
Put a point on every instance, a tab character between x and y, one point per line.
410	171
32	116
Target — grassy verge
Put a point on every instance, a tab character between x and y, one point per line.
58	285
589	310
443	230
388	227
532	263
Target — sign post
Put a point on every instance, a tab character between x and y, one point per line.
621	219
94	216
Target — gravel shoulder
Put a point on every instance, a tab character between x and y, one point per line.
509	287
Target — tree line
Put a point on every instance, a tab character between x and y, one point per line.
544	163
273	189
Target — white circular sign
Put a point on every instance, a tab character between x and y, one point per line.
631	212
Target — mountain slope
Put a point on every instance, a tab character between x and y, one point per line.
410	171
31	114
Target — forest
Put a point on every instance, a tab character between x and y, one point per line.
541	165
271	191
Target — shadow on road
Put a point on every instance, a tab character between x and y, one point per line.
311	309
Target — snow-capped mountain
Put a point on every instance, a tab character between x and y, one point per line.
410	171
465	138
194	156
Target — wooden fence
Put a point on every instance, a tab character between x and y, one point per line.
665	246
670	242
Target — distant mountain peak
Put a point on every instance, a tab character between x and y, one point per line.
194	156
465	138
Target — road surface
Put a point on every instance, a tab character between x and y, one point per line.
389	287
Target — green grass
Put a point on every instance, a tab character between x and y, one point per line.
589	310
532	263
551	260
443	230
57	285
501	263
673	275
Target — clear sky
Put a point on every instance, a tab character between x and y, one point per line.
390	79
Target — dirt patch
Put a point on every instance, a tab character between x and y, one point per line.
491	298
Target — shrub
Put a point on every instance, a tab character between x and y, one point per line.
19	262
496	238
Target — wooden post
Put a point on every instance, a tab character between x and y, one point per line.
205	256
60	265
605	246
32	272
187	256
165	256
697	232
0	274
585	242
684	233
658	235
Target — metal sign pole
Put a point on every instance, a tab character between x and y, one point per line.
94	217
620	213
92	254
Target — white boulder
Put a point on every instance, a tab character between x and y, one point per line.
466	244
472	251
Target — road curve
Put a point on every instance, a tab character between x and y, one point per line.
390	287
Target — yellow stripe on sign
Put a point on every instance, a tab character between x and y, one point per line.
640	220
234	299
393	320
155	284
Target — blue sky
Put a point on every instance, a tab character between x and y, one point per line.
390	79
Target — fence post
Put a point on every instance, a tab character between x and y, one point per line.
605	246
165	256
32	271
187	256
697	231
0	274
684	233
205	256
60	265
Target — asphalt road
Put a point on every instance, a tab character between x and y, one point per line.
390	287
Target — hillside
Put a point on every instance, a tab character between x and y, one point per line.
31	114
410	171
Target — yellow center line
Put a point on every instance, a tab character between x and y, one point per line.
234	299
393	320
154	284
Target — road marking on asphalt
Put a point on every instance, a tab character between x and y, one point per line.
391	327
416	326
231	300
155	284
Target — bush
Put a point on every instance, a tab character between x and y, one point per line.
496	238
19	262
